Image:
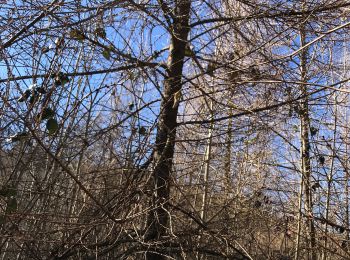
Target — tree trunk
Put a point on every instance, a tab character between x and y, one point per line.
305	147
158	217
300	219
207	157
227	164
329	181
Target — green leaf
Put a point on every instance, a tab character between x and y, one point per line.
77	35
52	126
313	131
2	219
322	159
11	192
34	97
142	130
100	32
11	205
47	113
18	137
188	52
45	49
3	192
106	54
25	96
41	90
131	76
7	191
61	79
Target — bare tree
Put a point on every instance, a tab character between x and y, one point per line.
174	130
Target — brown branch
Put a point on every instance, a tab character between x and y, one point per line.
31	24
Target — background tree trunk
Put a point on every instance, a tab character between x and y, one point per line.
305	146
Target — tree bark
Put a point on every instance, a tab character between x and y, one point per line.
158	217
305	147
207	158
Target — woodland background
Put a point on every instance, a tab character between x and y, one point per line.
181	129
